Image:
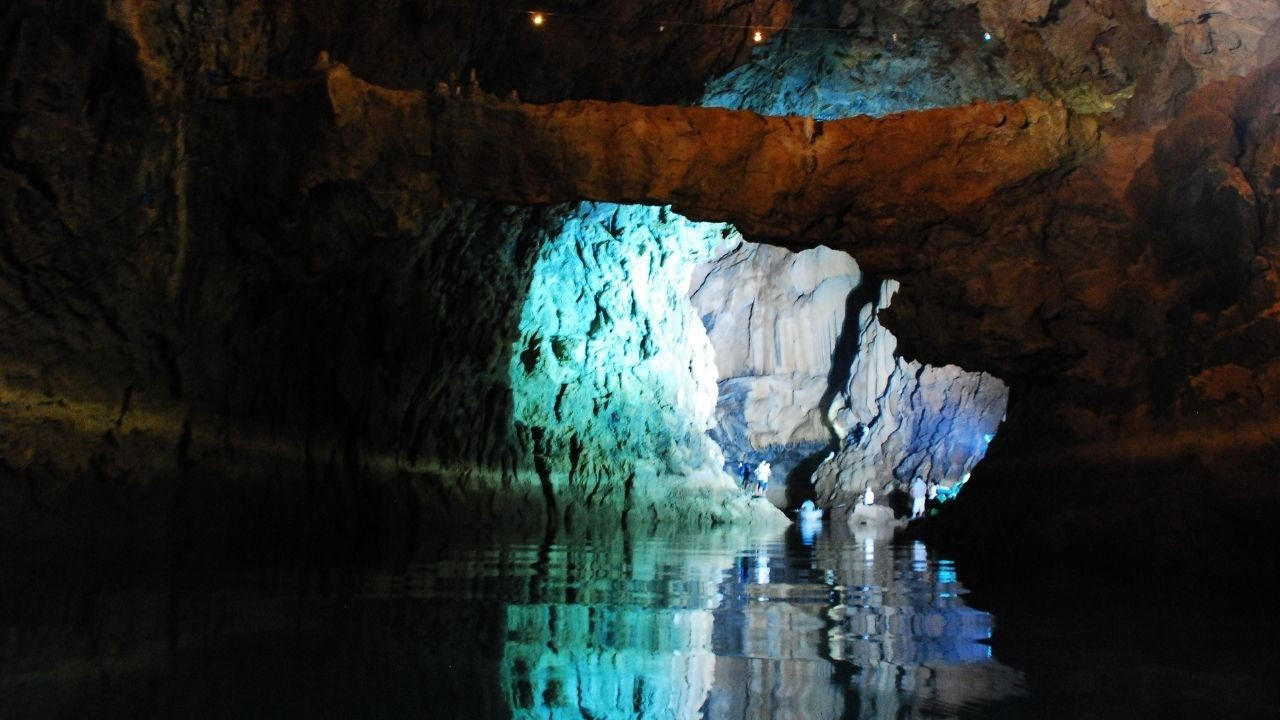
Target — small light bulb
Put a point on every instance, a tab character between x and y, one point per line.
537	19
757	37
986	37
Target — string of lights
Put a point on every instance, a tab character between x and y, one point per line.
759	32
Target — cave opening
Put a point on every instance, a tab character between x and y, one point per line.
661	349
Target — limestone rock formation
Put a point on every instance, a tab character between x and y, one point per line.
1082	255
870	57
195	347
899	419
811	381
774	319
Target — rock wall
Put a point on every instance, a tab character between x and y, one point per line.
775	319
803	360
898	418
871	58
196	346
613	375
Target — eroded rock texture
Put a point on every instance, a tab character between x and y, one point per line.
613	376
898	418
775	319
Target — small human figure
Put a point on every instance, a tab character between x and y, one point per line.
763	471
746	475
919	491
868	497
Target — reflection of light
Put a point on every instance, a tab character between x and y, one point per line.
919	557
762	570
987	438
809	530
946	572
868	549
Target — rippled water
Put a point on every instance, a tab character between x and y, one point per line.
806	624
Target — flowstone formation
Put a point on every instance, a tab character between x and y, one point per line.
775	319
899	419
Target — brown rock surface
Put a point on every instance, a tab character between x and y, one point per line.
786	179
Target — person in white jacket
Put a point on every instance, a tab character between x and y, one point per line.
763	471
919	491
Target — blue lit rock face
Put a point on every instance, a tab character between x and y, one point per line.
872	61
808	374
613	379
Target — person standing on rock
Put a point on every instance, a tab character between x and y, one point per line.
763	471
919	491
746	475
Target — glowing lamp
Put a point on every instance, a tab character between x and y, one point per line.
986	37
757	37
537	19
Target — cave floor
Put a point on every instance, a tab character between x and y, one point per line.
810	622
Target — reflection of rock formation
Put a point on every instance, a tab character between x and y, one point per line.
918	648
612	631
860	629
565	662
806	368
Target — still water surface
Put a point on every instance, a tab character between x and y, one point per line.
811	623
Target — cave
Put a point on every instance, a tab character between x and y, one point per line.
408	356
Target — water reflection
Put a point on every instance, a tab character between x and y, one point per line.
800	626
819	625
